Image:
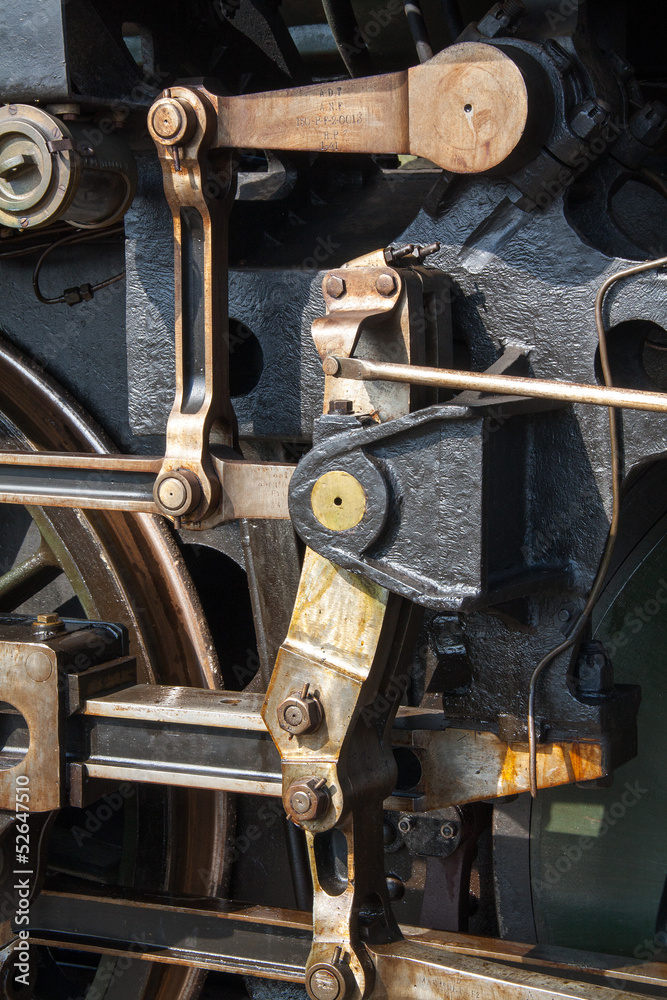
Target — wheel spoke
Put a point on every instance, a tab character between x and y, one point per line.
26	579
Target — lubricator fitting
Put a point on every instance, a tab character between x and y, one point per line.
53	170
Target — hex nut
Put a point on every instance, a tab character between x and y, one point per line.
335	286
51	619
342	407
307	800
386	284
405	824
47	626
300	713
588	118
448	830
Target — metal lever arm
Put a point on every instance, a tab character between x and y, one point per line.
347	643
467	109
200	193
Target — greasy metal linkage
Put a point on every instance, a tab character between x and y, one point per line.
128	482
506	385
231	937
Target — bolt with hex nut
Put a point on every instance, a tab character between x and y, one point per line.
335	286
386	284
300	713
307	800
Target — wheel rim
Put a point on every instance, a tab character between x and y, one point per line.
127	568
598	857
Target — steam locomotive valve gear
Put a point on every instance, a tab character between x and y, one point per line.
333	658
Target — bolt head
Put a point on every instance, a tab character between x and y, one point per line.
46	626
386	284
395	888
52	619
405	824
167	118
172	122
307	800
39	667
341	406
178	492
301	802
448	831
335	286
300	714
294	716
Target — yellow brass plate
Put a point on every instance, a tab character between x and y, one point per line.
338	501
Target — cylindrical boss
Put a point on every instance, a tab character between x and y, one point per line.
476	107
51	170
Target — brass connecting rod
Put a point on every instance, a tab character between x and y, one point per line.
506	385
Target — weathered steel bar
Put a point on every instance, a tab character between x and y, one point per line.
271	942
197	738
509	385
126	482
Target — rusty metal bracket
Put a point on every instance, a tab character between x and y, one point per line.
392	313
35	665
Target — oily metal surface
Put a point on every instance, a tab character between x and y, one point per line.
127	568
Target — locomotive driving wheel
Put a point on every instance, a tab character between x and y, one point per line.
125	568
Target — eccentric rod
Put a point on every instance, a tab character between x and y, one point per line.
506	385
